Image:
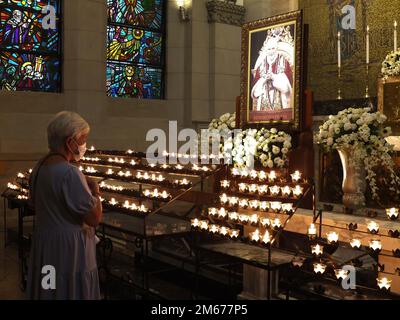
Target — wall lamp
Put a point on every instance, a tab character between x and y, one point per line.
183	13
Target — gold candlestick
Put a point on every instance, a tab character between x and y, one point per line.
339	96
367	82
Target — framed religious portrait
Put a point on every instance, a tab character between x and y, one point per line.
271	92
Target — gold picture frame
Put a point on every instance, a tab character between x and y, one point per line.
389	102
271	72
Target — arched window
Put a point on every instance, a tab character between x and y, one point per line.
135	48
30	45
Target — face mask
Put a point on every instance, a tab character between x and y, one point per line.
81	151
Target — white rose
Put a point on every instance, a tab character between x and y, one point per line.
273	131
275	150
329	141
347	126
287	144
270	163
285	150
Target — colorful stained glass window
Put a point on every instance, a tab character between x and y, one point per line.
135	48
29	46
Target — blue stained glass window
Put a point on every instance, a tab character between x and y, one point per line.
29	52
135	48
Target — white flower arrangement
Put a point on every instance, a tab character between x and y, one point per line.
268	147
365	133
391	65
226	121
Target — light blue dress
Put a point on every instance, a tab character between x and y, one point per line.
61	239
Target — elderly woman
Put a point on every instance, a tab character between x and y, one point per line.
68	208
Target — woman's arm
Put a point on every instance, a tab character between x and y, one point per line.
93	218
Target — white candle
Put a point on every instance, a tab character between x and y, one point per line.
339	52
395	36
367	49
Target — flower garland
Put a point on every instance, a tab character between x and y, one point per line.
364	132
391	65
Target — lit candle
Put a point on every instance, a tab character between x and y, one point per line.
312	231
242	187
235	172
262	175
253	188
146	193
212	211
253	174
287	207
155	193
395	36
272	176
286	191
333	237
225	183
243	218
373	227
185	181
128	174
367	44
296	176
392	213
234	233
92	148
275	205
339	52
355	243
254	204
254	219
165	194
223	198
113	202
126	204
244	173
224	231
341	274
233	201
317	250
214	228
243	203
179	167
319	268
264	205
160	178
195	223
375	245
274	190
276	223
266	238
255	236
165	166
297	191
222	213
265	222
204	225
262	189
129	151
233	216
384	283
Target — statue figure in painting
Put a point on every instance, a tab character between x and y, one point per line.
273	72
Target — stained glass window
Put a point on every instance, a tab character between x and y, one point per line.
29	46
135	48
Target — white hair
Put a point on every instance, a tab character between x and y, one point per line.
65	124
